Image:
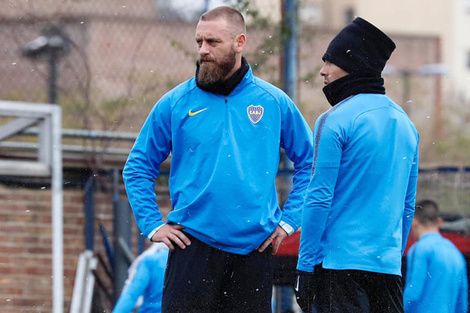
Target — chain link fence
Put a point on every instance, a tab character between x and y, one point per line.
448	186
120	58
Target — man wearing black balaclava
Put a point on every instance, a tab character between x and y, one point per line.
360	201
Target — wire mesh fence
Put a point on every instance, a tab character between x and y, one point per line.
448	186
119	59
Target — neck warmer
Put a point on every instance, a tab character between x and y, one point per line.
353	84
225	87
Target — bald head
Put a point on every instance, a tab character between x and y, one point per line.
234	19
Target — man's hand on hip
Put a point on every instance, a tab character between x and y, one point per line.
277	237
171	234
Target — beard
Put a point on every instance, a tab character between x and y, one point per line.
212	71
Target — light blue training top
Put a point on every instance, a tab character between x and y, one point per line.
360	201
225	154
147	282
436	277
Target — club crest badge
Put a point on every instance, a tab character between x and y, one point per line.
255	113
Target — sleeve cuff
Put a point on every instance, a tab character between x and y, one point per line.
149	237
288	229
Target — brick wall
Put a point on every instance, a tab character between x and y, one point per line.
26	251
26	243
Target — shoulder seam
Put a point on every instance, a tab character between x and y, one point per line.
256	81
181	96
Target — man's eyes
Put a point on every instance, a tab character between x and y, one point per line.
211	42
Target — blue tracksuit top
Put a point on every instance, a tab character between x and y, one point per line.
360	200
225	153
147	282
436	277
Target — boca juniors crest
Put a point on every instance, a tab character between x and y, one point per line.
255	113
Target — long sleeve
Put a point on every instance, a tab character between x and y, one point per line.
462	299
365	150
297	142
151	148
410	202
320	193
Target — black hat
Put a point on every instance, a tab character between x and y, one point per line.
360	47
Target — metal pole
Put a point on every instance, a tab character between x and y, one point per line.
57	213
53	59
290	62
89	213
290	8
122	238
290	48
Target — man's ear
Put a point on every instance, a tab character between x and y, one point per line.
240	43
439	222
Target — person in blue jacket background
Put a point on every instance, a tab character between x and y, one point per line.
225	129
436	272
144	286
360	202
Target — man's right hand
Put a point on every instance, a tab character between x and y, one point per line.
171	234
305	290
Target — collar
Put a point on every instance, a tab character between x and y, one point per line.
353	84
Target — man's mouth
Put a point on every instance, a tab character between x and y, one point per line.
205	61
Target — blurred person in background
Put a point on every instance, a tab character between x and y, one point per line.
143	288
436	272
224	129
360	202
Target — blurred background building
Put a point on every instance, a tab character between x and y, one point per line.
107	62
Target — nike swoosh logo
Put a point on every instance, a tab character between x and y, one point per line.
196	112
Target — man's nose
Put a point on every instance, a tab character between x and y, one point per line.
204	49
323	71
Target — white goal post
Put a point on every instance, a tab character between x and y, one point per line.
19	116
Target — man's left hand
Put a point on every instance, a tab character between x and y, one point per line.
277	237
